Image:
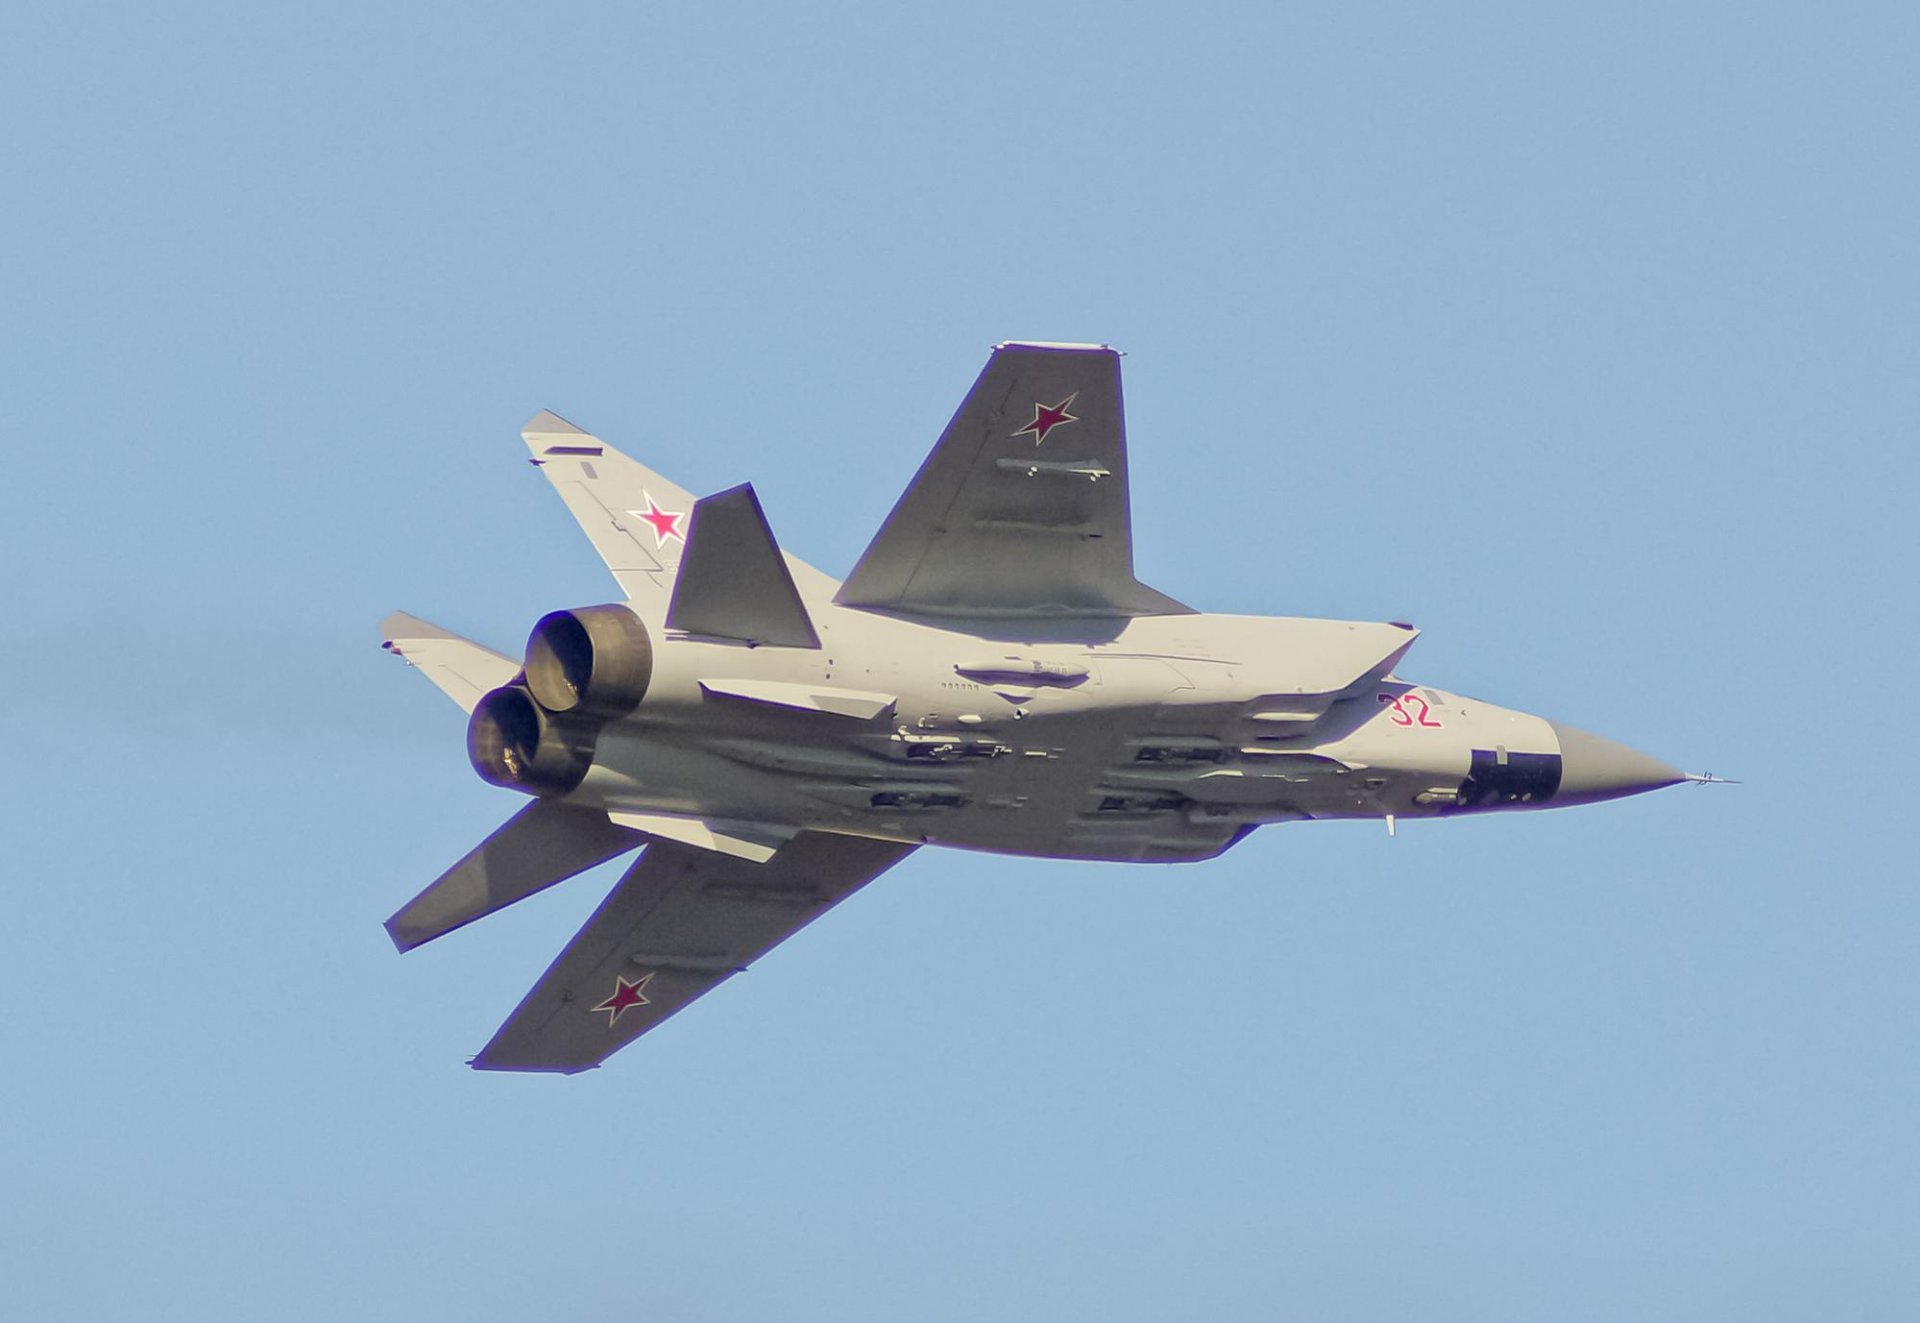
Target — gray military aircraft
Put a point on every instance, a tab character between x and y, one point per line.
991	676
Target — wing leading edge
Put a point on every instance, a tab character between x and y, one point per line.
1022	508
680	922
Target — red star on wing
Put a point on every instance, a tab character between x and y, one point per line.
1046	417
665	523
625	997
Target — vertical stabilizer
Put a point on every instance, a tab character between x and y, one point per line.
635	518
733	582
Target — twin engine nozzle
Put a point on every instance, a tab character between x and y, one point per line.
583	668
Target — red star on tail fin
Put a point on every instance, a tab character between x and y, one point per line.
1046	417
665	523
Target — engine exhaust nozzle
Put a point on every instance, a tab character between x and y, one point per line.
595	661
514	743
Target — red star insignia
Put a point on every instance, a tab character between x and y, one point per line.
665	523
1046	417
625	997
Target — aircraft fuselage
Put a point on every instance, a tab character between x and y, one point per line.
1154	738
990	675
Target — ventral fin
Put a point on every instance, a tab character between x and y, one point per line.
753	841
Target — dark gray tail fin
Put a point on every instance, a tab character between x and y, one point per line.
734	583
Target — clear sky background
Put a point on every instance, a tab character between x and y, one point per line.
1583	336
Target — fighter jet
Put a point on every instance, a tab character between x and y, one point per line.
991	676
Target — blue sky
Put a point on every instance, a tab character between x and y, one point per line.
1584	337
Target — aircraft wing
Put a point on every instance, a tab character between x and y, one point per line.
681	921
1022	507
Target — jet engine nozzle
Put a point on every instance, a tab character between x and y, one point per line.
595	661
514	743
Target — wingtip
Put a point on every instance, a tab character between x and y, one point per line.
1068	346
482	1062
549	423
400	625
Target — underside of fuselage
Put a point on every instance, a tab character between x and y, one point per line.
1156	740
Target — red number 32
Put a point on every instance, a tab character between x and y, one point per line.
1403	715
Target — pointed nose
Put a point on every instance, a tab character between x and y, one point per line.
1593	769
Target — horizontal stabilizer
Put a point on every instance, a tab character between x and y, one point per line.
462	669
733	582
544	843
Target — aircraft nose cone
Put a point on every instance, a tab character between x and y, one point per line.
1593	769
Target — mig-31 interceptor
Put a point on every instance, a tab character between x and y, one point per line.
991	676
